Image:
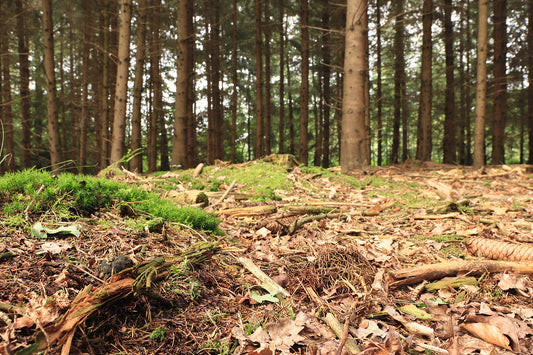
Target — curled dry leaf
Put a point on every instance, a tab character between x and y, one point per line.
498	330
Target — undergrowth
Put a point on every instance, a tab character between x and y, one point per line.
36	192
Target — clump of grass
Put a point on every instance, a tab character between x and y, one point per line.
37	192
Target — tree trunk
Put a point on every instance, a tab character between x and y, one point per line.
354	147
281	126
379	93
6	92
259	138
424	114
24	67
304	88
121	87
179	140
82	157
481	85
103	137
192	149
218	113
399	78
51	98
234	79
500	83
290	123
449	148
530	81
156	83
326	87
268	86
136	163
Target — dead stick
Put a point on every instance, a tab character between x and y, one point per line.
225	193
415	275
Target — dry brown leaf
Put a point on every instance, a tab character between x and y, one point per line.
497	330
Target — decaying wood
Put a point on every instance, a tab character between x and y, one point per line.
247	211
437	271
267	283
225	193
337	328
198	170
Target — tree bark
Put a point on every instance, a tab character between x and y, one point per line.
281	126
326	83
121	87
234	79
103	137
424	115
24	67
84	122
354	147
259	136
6	93
268	78
530	81
500	83
51	96
481	85
399	78
379	92
449	148
179	139
136	163
304	88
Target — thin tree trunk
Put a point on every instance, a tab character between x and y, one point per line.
121	87
292	141
530	81
6	93
281	127
234	83
500	83
379	92
259	138
424	134
192	149
268	86
449	145
136	163
51	101
481	86
82	157
399	67
326	84
218	113
304	88
24	67
103	138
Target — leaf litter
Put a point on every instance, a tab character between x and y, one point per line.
395	260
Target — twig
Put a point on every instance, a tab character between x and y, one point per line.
225	193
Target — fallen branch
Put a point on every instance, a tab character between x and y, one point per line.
437	271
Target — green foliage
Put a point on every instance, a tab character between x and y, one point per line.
69	195
158	334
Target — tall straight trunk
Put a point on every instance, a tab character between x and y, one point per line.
448	142
481	85
51	96
208	53
354	147
326	81
121	87
379	91
179	140
500	83
6	93
281	126
136	163
462	109
319	120
399	77
424	114
290	123
259	135
24	67
530	81
268	78
155	82
304	86
103	137
192	149
218	113
234	79
84	122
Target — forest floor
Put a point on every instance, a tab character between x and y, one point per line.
393	260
